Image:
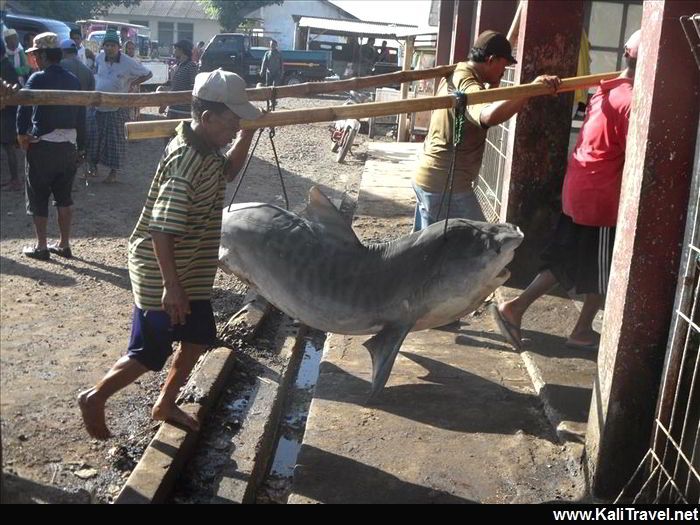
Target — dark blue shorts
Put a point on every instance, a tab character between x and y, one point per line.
152	337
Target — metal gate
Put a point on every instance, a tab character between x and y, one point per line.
489	185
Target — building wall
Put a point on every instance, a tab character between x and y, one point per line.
202	30
279	24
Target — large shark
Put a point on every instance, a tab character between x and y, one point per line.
314	269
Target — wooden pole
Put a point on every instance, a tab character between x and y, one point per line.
29	97
165	128
402	134
515	26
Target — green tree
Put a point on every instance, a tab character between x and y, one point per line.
69	10
232	13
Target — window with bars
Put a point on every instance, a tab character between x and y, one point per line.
608	25
185	32
166	36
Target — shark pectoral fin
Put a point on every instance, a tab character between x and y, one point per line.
383	348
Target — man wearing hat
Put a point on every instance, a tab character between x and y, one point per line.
173	251
580	252
15	52
182	78
49	134
115	73
71	62
8	123
486	65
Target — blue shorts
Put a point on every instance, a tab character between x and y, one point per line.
152	337
463	205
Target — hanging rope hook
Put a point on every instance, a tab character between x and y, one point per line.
457	137
271	104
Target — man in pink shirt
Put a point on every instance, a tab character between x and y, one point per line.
580	253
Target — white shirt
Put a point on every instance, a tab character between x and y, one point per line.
81	55
116	77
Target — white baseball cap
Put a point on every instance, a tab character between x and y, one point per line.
632	44
227	88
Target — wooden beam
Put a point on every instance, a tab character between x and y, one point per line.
29	97
403	131
514	30
165	128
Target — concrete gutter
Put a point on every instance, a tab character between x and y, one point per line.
562	377
153	478
253	445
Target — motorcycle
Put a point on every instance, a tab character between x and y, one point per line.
343	132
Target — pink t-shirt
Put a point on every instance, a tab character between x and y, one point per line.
591	192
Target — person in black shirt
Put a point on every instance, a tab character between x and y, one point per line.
49	134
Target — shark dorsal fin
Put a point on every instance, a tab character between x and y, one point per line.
321	211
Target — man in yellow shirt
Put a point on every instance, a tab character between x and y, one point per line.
486	64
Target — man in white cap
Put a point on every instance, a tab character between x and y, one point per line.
173	251
15	52
580	253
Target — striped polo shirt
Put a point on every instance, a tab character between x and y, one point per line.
185	200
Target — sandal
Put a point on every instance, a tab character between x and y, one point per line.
36	253
508	330
63	252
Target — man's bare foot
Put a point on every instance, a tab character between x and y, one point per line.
93	412
174	414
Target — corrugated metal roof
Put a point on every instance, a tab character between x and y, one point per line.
349	28
420	31
160	9
257	14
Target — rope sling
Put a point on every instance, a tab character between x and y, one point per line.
457	136
271	105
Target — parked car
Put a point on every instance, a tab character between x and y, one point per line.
25	24
232	52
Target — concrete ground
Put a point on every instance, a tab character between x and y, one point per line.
464	418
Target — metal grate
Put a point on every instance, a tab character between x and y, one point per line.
489	185
669	472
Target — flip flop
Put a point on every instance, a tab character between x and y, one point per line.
63	252
508	330
581	346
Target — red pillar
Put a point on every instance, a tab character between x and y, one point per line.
494	14
643	277
462	30
444	38
548	42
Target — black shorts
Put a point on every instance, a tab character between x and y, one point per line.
51	168
152	336
580	256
